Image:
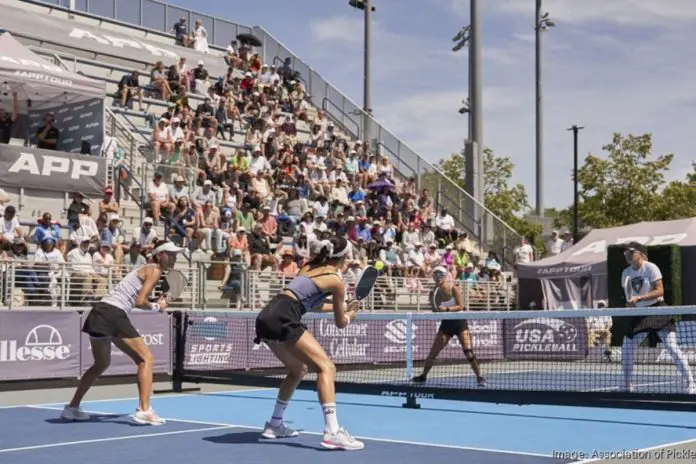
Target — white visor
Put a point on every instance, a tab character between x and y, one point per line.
167	247
439	270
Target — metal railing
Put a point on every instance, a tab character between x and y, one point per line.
491	231
26	284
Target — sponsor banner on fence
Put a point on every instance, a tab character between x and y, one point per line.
77	122
39	345
486	336
51	170
545	338
217	342
156	330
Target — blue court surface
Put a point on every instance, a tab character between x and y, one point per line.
224	427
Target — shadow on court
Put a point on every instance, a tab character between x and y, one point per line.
470	412
253	437
98	418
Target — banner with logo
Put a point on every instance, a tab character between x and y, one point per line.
39	345
217	342
156	330
486	337
545	338
51	170
76	122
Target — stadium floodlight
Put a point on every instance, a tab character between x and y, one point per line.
359	4
466	106
545	22
463	38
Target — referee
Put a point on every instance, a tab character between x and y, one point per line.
643	287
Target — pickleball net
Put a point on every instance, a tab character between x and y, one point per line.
542	357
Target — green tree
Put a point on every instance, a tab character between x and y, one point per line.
624	187
508	202
678	199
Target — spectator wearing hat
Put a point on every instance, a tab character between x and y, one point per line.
411	236
145	235
78	235
567	241
202	195
200	79
162	141
184	220
25	277
108	206
239	241
288	266
468	274
269	224
181	33
114	236
10	229
448	257
82	273
77	208
177	190
416	261
427	236
158	197
432	259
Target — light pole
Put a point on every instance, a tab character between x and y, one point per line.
542	24
461	40
368	8
576	196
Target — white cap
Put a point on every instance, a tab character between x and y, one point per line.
148	220
208	182
167	247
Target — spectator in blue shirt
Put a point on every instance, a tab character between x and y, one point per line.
356	194
364	230
46	229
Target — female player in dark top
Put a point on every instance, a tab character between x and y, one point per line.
279	326
452	300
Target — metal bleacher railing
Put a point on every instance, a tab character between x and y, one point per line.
27	285
491	232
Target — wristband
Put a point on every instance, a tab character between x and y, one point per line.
154	307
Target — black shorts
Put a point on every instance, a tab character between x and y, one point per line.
279	321
452	327
107	321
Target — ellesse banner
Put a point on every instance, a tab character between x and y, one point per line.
39	345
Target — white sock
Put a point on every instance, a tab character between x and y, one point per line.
278	412
330	419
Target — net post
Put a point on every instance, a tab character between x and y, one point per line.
411	402
179	322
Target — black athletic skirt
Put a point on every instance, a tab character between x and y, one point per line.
107	321
452	327
279	321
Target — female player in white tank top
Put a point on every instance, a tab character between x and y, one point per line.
108	323
450	327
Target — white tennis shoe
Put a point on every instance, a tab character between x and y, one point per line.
341	440
74	414
280	431
148	417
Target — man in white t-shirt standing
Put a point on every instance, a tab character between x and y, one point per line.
643	287
524	253
555	244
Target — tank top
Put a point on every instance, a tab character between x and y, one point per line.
307	292
123	294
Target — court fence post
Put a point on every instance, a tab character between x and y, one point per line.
179	321
411	402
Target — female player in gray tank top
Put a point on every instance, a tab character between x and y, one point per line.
108	323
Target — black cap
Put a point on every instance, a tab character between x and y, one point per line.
635	246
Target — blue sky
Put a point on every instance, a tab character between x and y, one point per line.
623	65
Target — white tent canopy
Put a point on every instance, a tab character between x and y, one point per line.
45	84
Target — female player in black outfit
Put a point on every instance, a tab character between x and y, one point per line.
279	326
452	300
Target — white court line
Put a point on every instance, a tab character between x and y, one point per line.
135	398
304	432
643	450
635	385
99	440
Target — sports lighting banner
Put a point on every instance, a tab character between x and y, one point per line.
51	170
77	122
